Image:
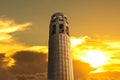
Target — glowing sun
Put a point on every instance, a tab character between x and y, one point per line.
95	58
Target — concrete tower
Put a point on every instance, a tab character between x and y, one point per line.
59	60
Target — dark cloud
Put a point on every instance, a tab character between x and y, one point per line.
2	56
29	62
3	61
4	71
6	75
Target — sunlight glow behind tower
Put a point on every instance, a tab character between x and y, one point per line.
95	58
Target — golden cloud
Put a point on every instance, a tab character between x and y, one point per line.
9	26
99	53
8	44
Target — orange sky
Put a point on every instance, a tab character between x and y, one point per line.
85	17
94	28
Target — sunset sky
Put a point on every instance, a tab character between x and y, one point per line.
94	30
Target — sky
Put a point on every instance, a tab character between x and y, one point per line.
86	17
94	30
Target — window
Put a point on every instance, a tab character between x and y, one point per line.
54	29
61	18
61	28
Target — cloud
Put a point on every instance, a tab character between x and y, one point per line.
9	26
112	67
107	48
4	71
5	61
77	41
43	49
6	75
2	63
8	44
29	62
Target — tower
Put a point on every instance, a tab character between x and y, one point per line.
59	58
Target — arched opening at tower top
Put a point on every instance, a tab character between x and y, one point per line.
54	29
61	28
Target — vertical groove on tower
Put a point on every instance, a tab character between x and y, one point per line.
59	58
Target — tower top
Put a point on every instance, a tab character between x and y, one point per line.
58	14
59	24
